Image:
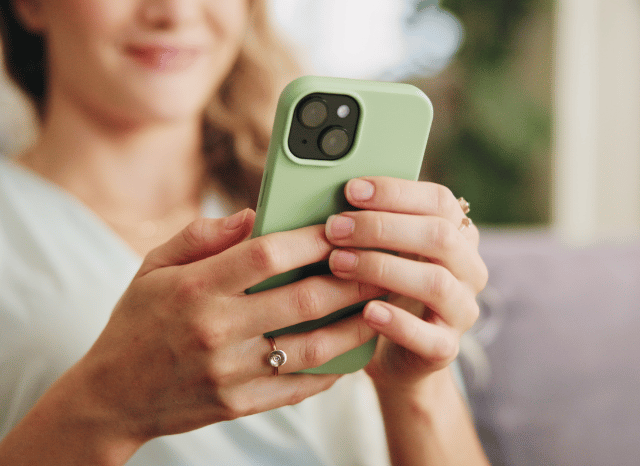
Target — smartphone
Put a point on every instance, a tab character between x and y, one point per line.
326	132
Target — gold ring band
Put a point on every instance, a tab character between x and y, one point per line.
466	223
464	205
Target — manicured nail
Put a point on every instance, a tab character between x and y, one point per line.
237	219
339	227
360	190
378	314
343	261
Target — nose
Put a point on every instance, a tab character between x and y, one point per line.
167	14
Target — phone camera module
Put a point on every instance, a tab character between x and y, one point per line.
324	126
334	141
313	113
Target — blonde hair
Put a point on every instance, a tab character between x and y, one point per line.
237	122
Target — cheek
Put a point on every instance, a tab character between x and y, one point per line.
85	20
229	19
78	30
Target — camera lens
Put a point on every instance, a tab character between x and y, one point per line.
313	113
334	141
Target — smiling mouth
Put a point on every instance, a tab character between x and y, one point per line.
163	58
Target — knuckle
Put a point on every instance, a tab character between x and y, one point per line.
307	388
444	237
322	244
376	227
152	258
471	315
264	255
313	352
189	288
474	234
219	372
194	233
483	278
299	394
439	284
306	302
397	192
382	267
235	405
213	374
208	338
445	349
444	199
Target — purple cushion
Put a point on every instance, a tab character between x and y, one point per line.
565	360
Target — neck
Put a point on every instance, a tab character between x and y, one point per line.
147	169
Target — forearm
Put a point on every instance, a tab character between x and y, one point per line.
64	428
430	425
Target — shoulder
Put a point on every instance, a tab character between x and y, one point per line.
32	246
20	206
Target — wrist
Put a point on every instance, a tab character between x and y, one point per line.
428	422
66	426
431	397
109	435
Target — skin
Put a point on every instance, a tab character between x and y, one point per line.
124	139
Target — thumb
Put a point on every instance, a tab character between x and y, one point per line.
200	239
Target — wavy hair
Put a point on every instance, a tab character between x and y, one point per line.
237	121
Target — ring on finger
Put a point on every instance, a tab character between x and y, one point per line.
464	205
466	223
276	357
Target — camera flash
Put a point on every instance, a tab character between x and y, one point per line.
343	111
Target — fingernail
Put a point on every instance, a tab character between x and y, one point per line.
237	219
339	226
360	190
343	261
377	314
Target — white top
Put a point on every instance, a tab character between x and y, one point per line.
62	269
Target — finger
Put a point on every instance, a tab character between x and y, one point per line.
266	393
249	263
309	299
428	236
238	363
200	239
431	284
403	196
317	347
409	197
435	344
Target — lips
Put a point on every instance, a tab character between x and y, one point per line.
163	58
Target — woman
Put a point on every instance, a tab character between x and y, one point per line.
154	115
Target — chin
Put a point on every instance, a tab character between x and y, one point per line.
179	101
170	106
172	111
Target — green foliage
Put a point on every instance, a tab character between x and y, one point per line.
495	149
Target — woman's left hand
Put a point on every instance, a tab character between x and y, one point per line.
433	282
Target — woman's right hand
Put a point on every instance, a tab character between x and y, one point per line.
184	346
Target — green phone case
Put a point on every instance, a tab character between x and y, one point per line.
390	140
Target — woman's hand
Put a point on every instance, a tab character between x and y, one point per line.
184	346
433	282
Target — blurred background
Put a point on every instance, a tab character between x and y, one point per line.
537	124
491	137
537	102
